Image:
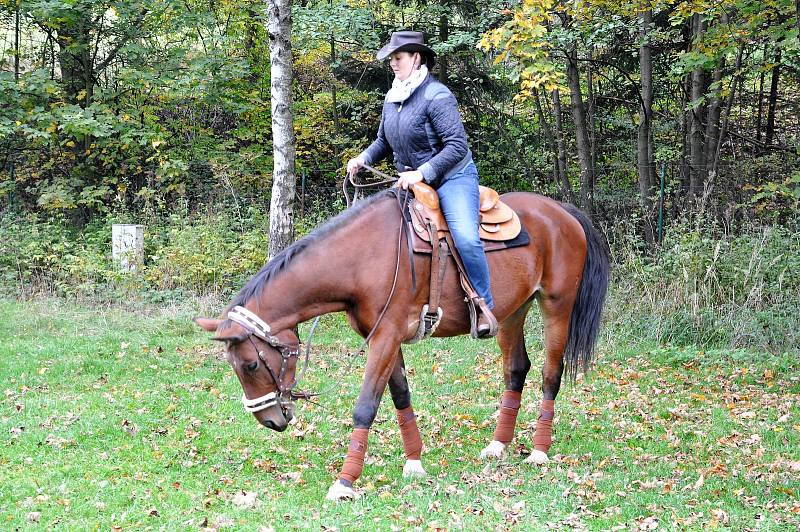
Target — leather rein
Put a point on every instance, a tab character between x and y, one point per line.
403	229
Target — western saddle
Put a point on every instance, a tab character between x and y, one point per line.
499	225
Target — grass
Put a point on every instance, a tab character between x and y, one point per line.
129	419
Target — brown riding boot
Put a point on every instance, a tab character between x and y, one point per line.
487	323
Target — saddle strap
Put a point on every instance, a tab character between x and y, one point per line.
438	267
468	288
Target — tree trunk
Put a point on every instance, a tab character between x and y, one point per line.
797	11
644	152
281	223
760	112
590	115
334	102
581	130
561	155
559	175
73	54
712	121
728	106
696	128
773	99
444	34
686	122
16	42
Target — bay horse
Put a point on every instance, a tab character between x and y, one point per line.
347	264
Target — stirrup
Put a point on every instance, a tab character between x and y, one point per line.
482	310
428	323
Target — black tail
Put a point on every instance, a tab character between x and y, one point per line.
584	323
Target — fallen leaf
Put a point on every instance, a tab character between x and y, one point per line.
244	499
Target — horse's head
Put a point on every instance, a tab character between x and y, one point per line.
265	365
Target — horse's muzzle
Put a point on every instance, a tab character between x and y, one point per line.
270	424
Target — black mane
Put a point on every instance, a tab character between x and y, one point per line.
257	283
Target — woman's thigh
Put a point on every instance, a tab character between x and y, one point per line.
459	198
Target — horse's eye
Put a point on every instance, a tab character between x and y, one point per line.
252	366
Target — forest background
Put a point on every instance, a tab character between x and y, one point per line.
674	124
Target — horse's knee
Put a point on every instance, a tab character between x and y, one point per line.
364	414
551	378
401	397
517	372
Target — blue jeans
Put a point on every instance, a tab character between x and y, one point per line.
459	199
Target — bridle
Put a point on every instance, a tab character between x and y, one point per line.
257	327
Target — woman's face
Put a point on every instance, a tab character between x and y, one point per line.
404	63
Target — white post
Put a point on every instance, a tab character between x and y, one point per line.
127	245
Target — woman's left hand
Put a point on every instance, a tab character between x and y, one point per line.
407	179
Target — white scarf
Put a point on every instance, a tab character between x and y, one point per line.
401	90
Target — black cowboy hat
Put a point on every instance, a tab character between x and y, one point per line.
408	41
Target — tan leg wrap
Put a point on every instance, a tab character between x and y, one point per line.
412	443
543	437
354	462
509	408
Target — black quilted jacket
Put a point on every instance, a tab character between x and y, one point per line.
424	132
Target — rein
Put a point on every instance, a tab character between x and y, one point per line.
386	180
400	203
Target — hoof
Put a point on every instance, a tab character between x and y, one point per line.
340	492
495	449
537	457
413	468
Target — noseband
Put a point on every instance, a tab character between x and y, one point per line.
257	327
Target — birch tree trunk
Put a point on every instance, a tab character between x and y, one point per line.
281	222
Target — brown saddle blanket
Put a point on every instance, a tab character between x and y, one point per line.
500	227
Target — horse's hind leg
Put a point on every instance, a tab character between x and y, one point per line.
407	419
511	339
556	313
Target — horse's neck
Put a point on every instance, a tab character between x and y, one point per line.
327	275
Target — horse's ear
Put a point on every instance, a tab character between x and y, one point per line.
231	338
208	324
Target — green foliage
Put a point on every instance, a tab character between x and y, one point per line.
704	287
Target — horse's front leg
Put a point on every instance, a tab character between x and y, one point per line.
407	419
381	360
516	364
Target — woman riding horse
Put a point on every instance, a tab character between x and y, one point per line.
421	125
345	264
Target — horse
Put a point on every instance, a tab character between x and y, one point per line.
347	264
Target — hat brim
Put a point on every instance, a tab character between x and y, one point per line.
388	50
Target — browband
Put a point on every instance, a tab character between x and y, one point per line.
251	322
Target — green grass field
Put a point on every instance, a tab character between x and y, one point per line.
129	419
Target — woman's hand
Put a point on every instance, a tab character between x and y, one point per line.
407	179
354	164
